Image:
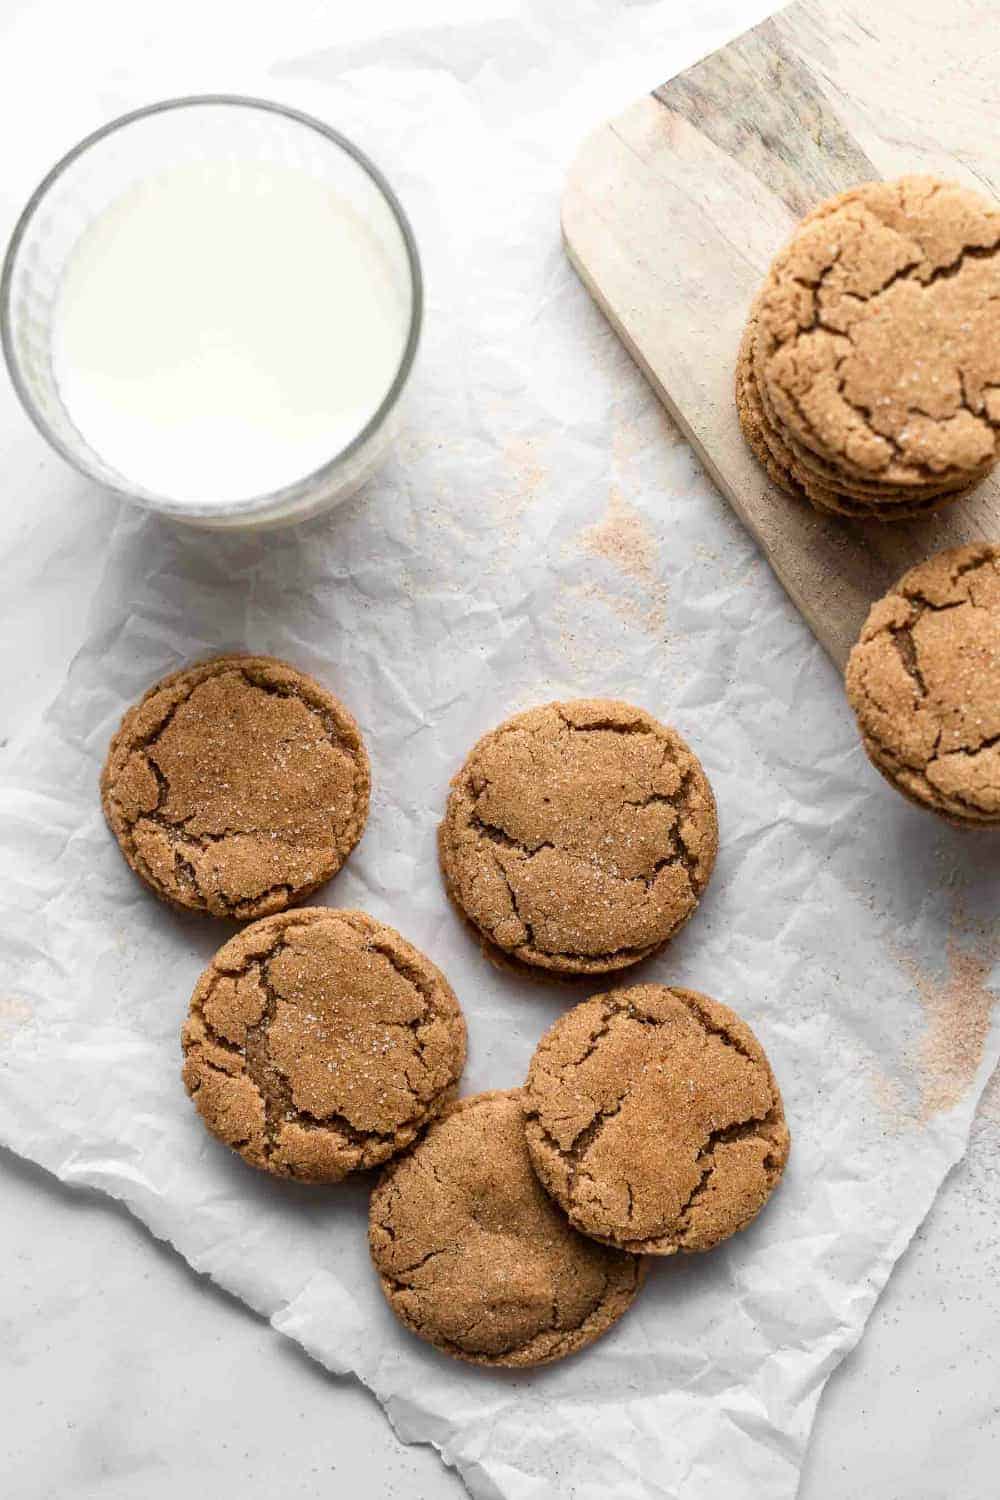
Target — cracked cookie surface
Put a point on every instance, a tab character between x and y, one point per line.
879	333
474	1257
319	1042
924	683
579	836
803	475
654	1120
236	787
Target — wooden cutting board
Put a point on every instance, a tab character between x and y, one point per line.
673	211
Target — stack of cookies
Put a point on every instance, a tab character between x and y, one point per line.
868	378
508	1228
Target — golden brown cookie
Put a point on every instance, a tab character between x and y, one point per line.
765	444
879	333
320	1042
869	491
924	682
236	787
578	837
800	473
654	1120
473	1255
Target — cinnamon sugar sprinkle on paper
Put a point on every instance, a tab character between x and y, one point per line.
957	1009
576	629
528	475
622	538
889	1096
14	1013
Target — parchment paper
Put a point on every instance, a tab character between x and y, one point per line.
540	532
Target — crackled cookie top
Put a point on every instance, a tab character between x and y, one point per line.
654	1120
237	786
579	836
879	332
924	682
320	1042
801	473
473	1255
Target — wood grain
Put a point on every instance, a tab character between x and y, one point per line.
673	211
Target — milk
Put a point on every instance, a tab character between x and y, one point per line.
223	330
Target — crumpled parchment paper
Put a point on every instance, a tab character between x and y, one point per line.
541	531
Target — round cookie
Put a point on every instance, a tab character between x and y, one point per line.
654	1120
319	1042
787	467
780	461
924	683
879	333
473	1255
578	837
869	492
802	474
236	787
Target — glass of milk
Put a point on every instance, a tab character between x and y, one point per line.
212	306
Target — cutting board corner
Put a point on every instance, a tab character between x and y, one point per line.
671	213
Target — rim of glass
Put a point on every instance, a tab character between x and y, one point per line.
307	482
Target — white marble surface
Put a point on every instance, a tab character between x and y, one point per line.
124	1374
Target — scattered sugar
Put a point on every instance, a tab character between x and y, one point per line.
14	1013
623	539
576	630
957	1010
889	1096
528	475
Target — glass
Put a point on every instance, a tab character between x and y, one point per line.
178	132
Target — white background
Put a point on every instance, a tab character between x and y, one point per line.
102	1399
